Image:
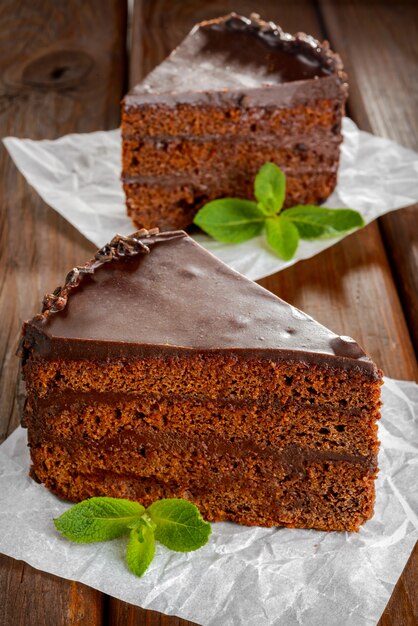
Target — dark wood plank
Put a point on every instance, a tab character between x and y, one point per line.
349	287
62	68
382	62
34	598
129	615
402	608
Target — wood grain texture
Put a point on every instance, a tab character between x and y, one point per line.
124	614
35	598
382	62
62	68
402	608
46	92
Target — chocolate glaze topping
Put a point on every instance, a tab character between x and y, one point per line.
234	57
178	298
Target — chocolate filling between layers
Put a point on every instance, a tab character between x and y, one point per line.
203	181
266	421
65	398
212	450
306	141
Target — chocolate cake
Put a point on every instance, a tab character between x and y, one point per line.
236	93
157	371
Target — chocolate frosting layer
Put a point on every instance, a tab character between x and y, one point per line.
179	298
250	61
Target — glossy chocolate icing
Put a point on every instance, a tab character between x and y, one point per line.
177	299
248	61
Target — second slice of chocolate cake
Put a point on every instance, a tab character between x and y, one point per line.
157	371
235	94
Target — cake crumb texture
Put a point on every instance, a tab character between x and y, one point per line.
247	440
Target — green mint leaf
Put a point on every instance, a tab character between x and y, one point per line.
179	524
98	519
282	236
270	188
175	523
230	220
141	549
315	222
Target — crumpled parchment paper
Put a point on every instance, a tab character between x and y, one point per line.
79	176
243	576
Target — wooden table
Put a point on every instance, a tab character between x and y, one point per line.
64	68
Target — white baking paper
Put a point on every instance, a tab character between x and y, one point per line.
79	176
243	576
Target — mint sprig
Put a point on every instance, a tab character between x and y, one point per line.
175	523
234	220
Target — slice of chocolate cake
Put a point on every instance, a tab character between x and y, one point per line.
236	93
157	371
